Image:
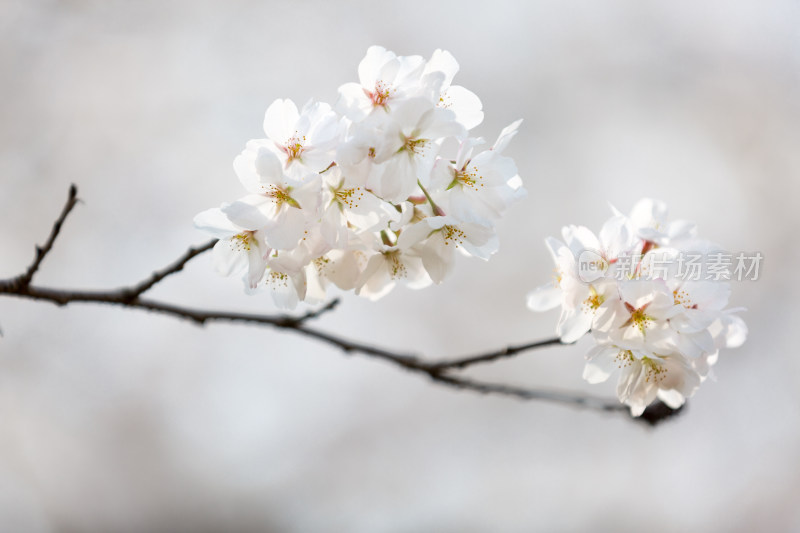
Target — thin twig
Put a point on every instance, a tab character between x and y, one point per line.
508	351
176	266
42	251
330	306
439	371
576	399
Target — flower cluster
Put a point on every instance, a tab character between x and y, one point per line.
660	329
382	188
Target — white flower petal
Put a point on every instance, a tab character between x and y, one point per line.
288	231
227	258
280	121
465	104
575	326
215	222
544	298
601	364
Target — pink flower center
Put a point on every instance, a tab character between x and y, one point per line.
293	148
381	94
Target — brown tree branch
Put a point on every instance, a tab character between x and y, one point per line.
440	372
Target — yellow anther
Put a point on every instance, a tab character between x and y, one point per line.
654	372
594	301
294	147
241	242
453	234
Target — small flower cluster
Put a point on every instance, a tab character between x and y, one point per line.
661	331
382	188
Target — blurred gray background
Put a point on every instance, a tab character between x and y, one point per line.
114	420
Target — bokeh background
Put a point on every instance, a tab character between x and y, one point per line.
114	420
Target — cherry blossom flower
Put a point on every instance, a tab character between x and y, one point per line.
479	187
649	219
281	209
661	330
337	198
351	208
643	376
462	102
384	79
389	266
581	297
437	239
239	247
304	141
410	146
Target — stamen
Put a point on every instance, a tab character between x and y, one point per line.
241	242
681	297
444	100
280	195
594	301
349	197
276	280
294	147
624	358
397	269
470	178
653	371
453	234
415	146
557	277
381	94
321	264
638	317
